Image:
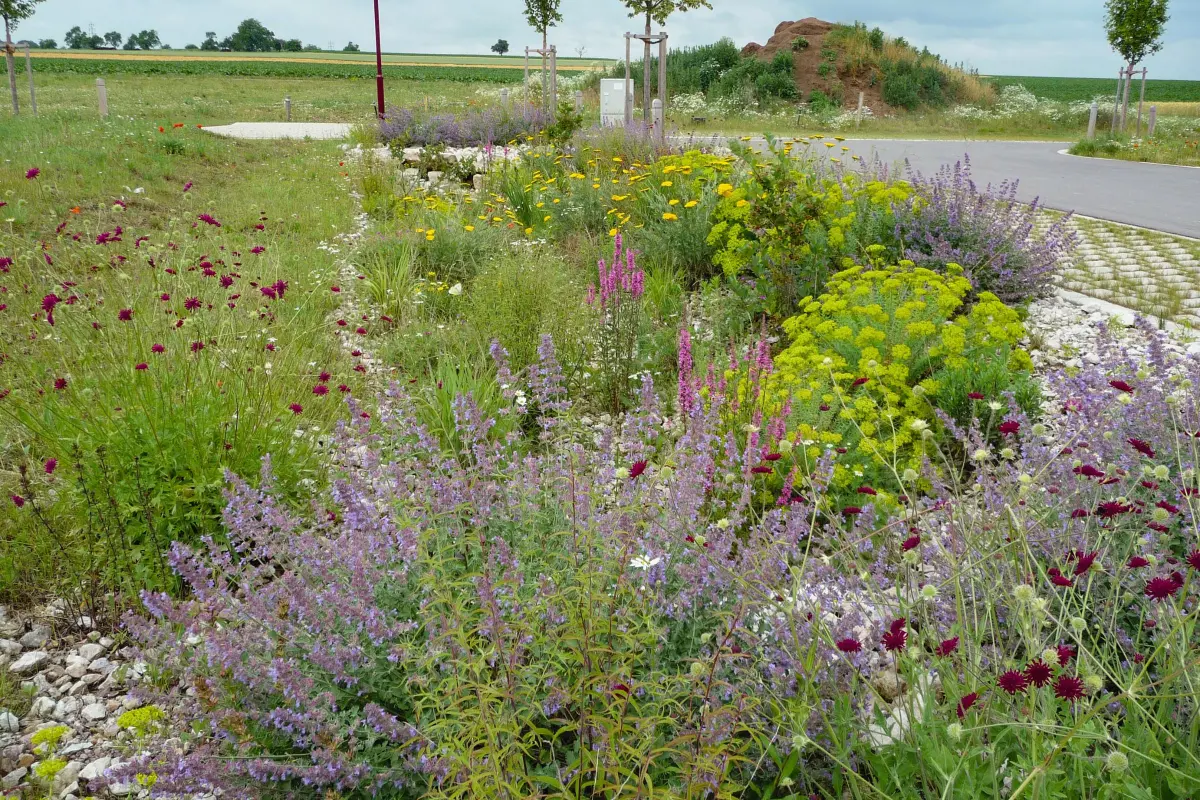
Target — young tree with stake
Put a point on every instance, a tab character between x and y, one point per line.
542	16
656	11
14	11
1135	29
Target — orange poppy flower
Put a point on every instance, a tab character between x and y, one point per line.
161	129
76	210
178	125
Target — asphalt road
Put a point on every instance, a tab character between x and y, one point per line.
1153	196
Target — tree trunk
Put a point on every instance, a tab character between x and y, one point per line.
646	75
545	94
12	69
1125	101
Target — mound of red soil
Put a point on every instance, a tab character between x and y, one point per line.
842	82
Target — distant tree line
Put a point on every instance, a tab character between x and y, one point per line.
251	36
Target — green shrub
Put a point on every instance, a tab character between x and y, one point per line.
799	44
825	69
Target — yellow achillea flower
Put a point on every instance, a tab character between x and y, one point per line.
666	183
673	202
470	228
725	189
691	204
670	217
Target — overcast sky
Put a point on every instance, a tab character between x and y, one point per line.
1014	37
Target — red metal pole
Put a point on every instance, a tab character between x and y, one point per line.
378	62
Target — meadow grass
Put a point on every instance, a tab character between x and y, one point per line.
167	362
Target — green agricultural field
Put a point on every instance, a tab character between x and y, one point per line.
217	100
1068	89
404	59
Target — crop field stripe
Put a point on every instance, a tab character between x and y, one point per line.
1085	89
289	60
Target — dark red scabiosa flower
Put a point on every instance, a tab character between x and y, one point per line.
5	263
1080	513
620	688
859	382
964	705
342	323
125	314
849	645
48	304
910	543
851	511
32	173
271	346
1168	507
1154	526
142	367
60	384
1113	508
975	395
868	491
187	187
280	288
772	456
296	408
356	353
1151	485
947	647
637	469
320	390
1088	471
324	377
191	303
166	298
226	281
50	465
1058	579
197	347
361	331
209	220
1009	427
1013	681
1085	562
343	388
762	469
1159	589
1137	562
1190	492
1193	560
258	250
1142	447
335	289
1121	386
1039	673
269	292
18	501
896	636
1068	688
1065	654
157	348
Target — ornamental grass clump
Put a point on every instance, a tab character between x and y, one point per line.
611	613
1007	247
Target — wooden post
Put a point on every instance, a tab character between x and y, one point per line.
12	74
29	72
287	107
1152	122
102	91
1092	118
1125	98
553	111
660	128
504	99
1141	102
1117	102
859	114
578	101
526	79
662	70
628	87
